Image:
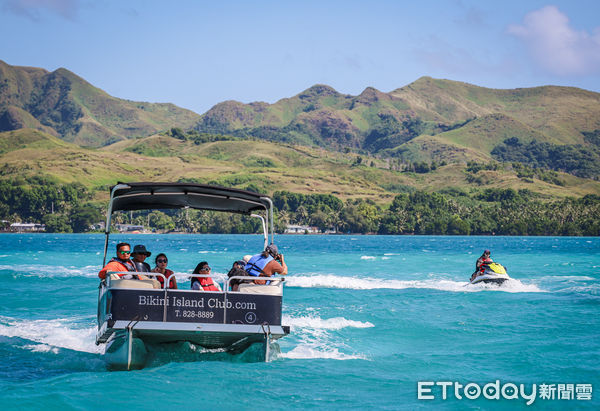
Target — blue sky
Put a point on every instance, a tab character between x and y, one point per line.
198	53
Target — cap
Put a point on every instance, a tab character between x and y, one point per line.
272	249
141	249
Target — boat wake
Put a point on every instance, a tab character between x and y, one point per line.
316	339
336	323
45	271
363	283
51	335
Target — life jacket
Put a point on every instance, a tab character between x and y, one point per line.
484	263
256	264
161	280
142	267
118	265
207	283
128	264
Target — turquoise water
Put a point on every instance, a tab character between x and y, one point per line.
370	317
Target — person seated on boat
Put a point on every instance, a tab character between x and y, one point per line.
161	262
266	264
122	263
237	269
139	255
481	263
203	283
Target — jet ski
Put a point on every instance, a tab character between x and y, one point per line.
491	273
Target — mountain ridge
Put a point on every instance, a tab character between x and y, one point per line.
382	123
65	105
429	120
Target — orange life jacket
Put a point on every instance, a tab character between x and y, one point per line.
207	284
172	283
117	265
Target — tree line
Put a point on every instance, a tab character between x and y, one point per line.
488	212
69	208
62	208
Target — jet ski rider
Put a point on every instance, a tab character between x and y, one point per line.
481	262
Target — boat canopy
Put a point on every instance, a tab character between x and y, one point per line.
154	196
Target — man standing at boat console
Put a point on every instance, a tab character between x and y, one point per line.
121	263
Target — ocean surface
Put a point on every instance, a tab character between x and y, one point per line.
370	317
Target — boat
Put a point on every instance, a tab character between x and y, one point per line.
134	314
492	273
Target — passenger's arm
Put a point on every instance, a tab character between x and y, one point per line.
108	267
274	267
102	273
283	265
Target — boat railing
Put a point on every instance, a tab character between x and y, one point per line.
113	276
274	285
270	282
245	297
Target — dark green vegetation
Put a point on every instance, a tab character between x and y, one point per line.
61	207
574	159
433	157
492	211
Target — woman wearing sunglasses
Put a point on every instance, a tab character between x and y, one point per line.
161	267
203	283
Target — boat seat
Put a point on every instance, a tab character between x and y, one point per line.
122	283
271	289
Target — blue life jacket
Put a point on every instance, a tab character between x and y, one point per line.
256	264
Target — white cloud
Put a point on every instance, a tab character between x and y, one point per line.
556	46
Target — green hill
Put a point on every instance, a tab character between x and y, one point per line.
45	179
64	105
428	121
462	118
255	164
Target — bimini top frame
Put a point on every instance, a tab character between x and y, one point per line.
156	196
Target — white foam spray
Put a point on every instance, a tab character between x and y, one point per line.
366	283
58	333
336	323
44	271
316	340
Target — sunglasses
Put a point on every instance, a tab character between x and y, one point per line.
205	269
161	260
124	252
